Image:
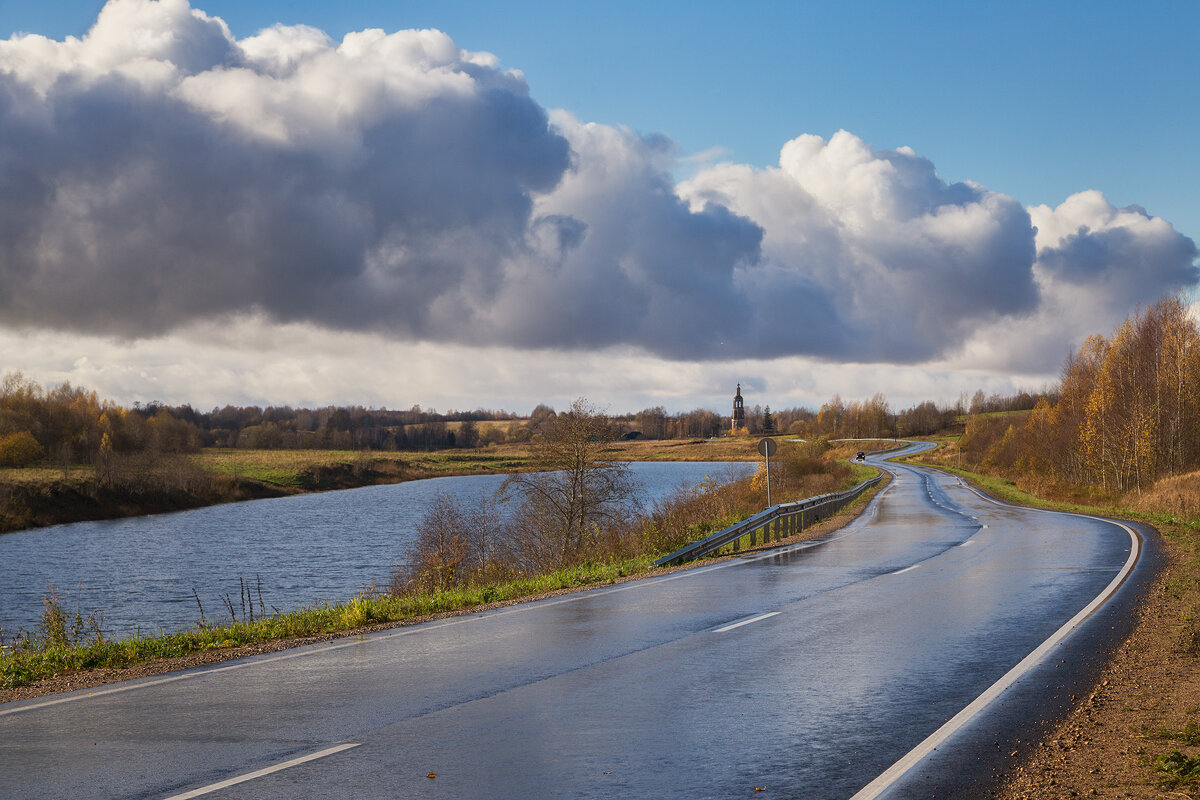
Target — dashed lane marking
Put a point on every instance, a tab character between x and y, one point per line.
259	773
759	618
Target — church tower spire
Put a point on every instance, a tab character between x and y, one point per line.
739	412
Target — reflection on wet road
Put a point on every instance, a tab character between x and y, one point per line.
806	672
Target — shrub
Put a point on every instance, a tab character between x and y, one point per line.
20	450
1179	768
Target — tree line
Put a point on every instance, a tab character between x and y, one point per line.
68	425
1127	412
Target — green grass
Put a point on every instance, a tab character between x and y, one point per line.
858	474
294	468
28	661
278	476
472	460
1007	490
1190	735
277	467
1178	769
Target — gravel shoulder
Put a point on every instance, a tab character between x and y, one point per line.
1149	689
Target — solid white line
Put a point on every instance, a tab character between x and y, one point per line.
967	542
893	773
746	622
258	773
906	569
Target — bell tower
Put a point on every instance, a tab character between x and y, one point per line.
739	412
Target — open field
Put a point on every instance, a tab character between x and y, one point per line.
297	468
34	475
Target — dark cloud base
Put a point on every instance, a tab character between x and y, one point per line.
159	172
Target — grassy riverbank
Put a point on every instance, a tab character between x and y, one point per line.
1120	738
69	651
40	496
68	643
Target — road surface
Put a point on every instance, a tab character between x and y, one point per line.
806	673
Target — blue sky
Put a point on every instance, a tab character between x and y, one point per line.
496	252
1034	99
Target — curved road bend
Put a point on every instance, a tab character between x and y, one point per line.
806	672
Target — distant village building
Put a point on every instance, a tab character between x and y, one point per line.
738	423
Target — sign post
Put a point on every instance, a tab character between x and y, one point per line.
768	447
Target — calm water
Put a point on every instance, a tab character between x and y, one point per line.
307	549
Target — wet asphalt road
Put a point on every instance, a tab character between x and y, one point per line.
853	649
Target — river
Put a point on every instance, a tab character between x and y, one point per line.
306	549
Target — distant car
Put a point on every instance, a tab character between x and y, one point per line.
861	455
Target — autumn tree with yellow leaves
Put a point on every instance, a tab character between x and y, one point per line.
1127	415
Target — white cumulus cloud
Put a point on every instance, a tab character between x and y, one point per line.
159	173
1095	264
878	256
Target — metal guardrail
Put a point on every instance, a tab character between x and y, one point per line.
777	522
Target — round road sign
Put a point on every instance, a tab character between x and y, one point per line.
767	447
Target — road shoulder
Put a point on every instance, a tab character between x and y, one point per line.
1106	744
1148	688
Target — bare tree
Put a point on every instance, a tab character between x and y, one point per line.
437	560
563	506
457	545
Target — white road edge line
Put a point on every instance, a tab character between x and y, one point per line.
893	773
258	773
906	569
746	622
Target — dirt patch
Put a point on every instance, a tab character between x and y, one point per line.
86	679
